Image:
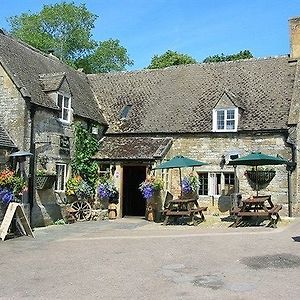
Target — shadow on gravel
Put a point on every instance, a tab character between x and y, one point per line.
296	238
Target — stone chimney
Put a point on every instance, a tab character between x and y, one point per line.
294	24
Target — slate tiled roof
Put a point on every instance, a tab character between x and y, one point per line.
25	64
181	99
133	148
5	140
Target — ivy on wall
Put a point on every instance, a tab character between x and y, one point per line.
85	147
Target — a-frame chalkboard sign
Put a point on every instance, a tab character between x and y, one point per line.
21	219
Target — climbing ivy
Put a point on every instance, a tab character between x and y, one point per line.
85	147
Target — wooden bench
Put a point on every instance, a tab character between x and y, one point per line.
253	214
186	213
235	211
272	215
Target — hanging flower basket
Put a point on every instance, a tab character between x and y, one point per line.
261	177
45	182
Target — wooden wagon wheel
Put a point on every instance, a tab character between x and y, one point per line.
82	210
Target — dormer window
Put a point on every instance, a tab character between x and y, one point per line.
64	103
225	119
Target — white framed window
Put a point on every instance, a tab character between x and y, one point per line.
61	177
64	103
216	183
225	119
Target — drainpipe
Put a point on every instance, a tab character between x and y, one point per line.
290	167
32	161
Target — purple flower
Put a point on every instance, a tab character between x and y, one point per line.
186	186
107	190
6	195
148	192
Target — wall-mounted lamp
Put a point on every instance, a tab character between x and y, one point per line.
223	161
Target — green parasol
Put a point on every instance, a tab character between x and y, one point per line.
180	162
258	159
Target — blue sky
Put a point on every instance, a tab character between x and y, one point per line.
198	28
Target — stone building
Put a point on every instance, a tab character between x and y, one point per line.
6	146
210	112
40	97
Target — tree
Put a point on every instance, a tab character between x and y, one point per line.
218	58
108	56
66	29
170	58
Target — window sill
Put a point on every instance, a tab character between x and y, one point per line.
64	122
224	131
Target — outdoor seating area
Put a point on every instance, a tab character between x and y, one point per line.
257	206
182	208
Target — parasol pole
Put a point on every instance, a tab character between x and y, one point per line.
256	181
180	181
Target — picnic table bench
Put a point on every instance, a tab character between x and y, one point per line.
184	208
257	207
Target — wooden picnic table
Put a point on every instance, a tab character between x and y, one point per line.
258	206
179	208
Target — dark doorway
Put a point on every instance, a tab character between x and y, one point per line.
133	202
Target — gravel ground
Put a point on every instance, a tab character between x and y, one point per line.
131	258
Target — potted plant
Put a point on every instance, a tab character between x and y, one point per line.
44	179
190	185
11	188
150	189
109	195
78	189
260	178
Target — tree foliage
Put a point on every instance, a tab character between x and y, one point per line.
170	58
222	57
66	29
85	147
108	56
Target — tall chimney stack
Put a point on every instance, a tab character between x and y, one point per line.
294	24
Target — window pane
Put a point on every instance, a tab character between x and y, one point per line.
230	124
66	102
65	114
230	114
61	180
59	100
220	119
203	183
229	183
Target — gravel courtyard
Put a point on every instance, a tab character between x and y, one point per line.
131	258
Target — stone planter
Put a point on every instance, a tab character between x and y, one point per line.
45	182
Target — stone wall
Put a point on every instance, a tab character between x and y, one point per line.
210	149
14	115
48	131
